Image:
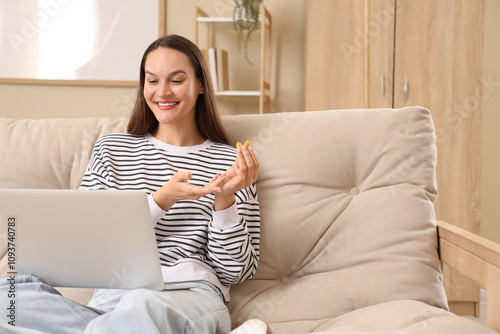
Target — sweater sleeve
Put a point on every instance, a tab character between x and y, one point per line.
96	173
234	238
97	177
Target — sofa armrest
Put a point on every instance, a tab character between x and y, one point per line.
476	258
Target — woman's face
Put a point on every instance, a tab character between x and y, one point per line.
171	87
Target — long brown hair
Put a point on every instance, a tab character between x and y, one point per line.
207	116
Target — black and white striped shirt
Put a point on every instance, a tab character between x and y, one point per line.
194	241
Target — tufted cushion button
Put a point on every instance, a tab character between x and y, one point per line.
286	279
354	190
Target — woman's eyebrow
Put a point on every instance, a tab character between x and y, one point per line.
170	74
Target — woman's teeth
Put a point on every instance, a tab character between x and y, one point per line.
167	104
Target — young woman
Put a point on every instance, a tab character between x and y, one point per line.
202	198
202	194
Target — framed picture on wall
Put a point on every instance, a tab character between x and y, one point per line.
77	42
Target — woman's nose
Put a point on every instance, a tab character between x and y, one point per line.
164	89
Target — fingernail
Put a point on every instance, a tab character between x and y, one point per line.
250	148
244	148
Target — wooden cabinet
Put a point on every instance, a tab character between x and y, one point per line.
395	53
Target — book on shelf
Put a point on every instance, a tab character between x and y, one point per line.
212	65
222	70
217	62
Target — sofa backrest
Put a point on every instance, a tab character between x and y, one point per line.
50	153
346	200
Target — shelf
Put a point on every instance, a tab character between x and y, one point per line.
214	19
238	93
203	19
265	23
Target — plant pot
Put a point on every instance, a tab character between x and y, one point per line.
249	10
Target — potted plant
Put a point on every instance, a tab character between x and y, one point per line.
246	21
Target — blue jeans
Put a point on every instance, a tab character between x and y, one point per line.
39	308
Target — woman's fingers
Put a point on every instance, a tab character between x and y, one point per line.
186	190
256	164
241	160
218	181
248	164
179	188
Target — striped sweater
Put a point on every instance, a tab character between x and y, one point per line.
194	242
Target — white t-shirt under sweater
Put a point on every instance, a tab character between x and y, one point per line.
194	242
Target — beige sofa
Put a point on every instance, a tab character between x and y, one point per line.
349	241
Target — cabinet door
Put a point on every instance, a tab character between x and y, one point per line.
438	57
381	52
349	49
335	47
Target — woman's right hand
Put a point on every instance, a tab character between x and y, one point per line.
178	188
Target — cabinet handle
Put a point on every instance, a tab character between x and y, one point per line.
383	85
405	88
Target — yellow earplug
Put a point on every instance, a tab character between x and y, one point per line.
238	145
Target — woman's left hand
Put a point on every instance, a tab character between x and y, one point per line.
242	174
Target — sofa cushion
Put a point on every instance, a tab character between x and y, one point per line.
402	317
347	213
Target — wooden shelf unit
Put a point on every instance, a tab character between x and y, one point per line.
264	92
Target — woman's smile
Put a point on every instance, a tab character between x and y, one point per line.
166	105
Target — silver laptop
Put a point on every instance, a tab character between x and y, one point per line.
81	238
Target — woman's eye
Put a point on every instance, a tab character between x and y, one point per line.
152	81
176	81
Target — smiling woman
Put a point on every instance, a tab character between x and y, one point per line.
84	42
